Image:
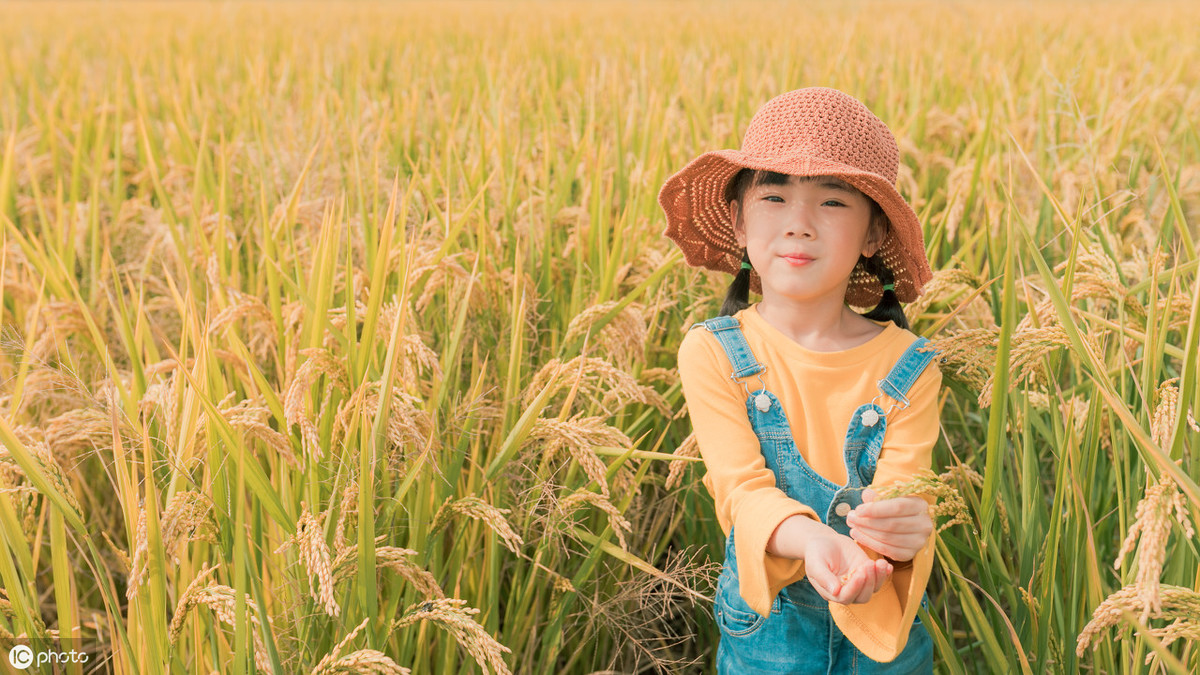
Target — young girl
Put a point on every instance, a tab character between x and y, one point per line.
799	403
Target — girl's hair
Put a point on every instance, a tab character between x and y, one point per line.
738	297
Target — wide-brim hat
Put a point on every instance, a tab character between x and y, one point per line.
815	131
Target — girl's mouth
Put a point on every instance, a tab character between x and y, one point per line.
797	261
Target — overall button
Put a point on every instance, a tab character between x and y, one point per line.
842	509
870	417
762	402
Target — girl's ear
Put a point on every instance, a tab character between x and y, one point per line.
875	234
735	217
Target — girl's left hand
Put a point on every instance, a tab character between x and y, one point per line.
897	528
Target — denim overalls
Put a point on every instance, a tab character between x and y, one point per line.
800	636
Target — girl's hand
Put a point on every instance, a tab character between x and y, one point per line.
897	528
840	570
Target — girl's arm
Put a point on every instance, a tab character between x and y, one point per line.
900	528
746	498
880	628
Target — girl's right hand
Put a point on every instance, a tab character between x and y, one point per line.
840	571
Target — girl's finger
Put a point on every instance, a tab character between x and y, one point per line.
852	588
827	584
898	539
915	522
889	525
875	576
870	578
876	544
883	570
832	593
893	508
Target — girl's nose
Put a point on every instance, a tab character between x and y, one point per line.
801	225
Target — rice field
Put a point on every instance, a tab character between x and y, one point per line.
340	338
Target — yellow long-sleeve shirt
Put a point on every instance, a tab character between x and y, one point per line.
819	392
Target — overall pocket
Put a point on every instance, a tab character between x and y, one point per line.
734	617
791	640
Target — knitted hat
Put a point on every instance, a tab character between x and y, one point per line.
807	132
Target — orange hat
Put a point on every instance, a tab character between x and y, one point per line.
807	132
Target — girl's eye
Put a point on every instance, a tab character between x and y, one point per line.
775	198
834	202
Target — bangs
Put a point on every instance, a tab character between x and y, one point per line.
746	179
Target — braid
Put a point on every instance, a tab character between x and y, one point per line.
888	308
738	297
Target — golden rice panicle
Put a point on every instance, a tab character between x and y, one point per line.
580	435
1029	346
1164	412
78	430
1177	308
578	222
453	616
623	338
314	555
963	475
418	363
260	336
39	626
365	661
32	439
1096	276
1180	605
296	408
187	600
1074	409
188	517
393	558
669	376
1042	314
407	422
26	498
163	397
474	507
118	552
458	284
942	287
690	447
242	305
222	600
1152	524
309	214
597	381
293	320
347	516
968	355
249	417
55	321
139	563
51	390
582	497
948	502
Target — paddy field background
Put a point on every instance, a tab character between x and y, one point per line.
341	337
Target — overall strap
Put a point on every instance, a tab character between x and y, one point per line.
728	332
906	371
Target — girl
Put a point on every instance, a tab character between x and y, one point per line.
787	396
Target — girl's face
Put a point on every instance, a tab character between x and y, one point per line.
805	237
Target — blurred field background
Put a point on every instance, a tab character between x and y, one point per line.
341	338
